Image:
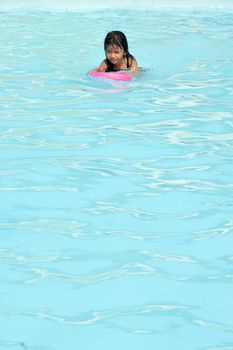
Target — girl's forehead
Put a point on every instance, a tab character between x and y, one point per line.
114	47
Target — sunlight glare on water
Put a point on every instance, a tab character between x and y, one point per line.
116	198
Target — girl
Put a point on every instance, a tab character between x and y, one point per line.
117	54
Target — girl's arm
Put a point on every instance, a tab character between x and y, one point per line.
133	66
101	68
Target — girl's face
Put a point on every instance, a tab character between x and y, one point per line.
114	54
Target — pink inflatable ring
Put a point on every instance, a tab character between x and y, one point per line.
119	75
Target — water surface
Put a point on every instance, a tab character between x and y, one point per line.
116	198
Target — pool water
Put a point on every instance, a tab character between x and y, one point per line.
116	197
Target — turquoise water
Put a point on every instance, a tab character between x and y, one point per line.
116	198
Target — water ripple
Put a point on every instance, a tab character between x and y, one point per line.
125	270
105	315
213	325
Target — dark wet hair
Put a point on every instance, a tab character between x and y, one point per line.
118	39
